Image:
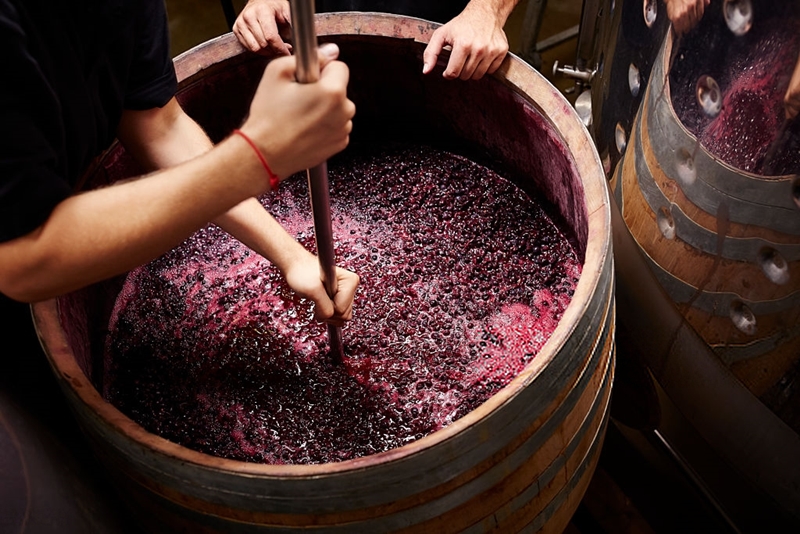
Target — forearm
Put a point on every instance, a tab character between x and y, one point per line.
169	137
162	137
500	9
105	232
251	224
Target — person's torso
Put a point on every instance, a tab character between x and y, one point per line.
82	50
72	67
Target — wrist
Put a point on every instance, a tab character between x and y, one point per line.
273	179
500	10
293	256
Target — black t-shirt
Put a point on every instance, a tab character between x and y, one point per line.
70	68
434	10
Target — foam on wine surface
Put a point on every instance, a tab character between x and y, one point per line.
463	279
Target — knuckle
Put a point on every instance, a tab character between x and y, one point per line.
336	92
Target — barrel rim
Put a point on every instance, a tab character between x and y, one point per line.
514	73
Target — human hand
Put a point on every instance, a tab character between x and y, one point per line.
685	14
260	25
303	276
791	101
478	44
298	126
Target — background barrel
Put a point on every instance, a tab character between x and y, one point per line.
709	292
520	461
723	243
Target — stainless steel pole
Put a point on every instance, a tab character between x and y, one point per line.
305	50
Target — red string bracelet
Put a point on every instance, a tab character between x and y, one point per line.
273	178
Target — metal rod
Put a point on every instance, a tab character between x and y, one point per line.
305	50
304	40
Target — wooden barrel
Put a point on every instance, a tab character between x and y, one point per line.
723	243
723	248
523	459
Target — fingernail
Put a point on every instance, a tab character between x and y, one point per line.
331	50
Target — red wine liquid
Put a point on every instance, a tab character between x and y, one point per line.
463	279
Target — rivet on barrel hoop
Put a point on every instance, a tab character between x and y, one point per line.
621	138
634	80
666	224
709	95
738	16
650	12
743	318
684	166
774	265
583	105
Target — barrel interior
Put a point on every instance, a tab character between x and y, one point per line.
484	121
